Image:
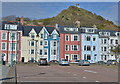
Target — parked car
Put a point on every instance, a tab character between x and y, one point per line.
83	62
54	61
43	61
64	62
32	61
100	62
111	62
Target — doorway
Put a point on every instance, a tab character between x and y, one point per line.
22	59
67	57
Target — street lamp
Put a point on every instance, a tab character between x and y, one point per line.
12	50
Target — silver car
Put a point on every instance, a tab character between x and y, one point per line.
64	62
84	62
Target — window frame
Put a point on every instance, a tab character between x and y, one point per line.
66	47
2	45
66	37
5	36
45	42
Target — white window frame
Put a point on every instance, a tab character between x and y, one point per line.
52	50
10	47
73	47
72	37
65	47
2	47
31	43
73	55
53	43
66	36
10	38
44	43
44	51
87	39
5	36
31	50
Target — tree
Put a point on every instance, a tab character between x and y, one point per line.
17	18
116	51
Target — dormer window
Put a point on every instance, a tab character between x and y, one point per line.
32	35
71	29
10	26
54	36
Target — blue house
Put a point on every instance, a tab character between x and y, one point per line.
89	44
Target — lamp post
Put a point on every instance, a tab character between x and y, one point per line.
12	51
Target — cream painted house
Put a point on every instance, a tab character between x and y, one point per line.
36	43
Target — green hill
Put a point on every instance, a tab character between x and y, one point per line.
69	16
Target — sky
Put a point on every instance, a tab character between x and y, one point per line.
60	0
39	10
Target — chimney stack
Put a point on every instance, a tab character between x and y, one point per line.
94	26
22	20
77	24
57	26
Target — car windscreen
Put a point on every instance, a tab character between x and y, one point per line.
64	59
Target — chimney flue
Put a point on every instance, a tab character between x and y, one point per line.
77	24
22	20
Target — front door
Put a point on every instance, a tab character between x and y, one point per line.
22	59
67	57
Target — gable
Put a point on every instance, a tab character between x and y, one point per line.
32	31
54	32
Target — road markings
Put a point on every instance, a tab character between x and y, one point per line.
90	71
75	74
84	77
97	81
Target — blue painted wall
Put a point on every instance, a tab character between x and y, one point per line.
91	43
49	39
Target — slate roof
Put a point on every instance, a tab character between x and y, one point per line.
61	29
50	29
112	32
27	29
2	26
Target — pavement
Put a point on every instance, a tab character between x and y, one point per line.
72	73
3	72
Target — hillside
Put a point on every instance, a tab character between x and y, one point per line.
69	16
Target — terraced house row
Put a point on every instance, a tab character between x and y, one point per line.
31	42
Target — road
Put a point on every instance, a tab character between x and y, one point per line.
72	73
3	72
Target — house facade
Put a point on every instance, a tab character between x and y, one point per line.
79	44
40	42
90	44
70	40
8	29
108	39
